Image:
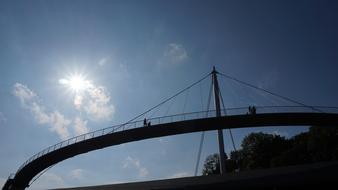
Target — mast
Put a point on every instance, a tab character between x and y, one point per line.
218	114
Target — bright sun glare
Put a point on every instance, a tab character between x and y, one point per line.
76	83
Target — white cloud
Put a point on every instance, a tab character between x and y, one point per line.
29	100
281	133
59	124
93	100
130	162
116	182
78	101
143	172
175	53
39	113
3	119
48	181
98	104
77	174
23	93
163	140
63	81
180	174
103	61
80	126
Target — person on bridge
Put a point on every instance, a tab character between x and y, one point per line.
249	112
252	110
149	124
145	122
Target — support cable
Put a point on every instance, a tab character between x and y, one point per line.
201	96
203	133
185	101
149	110
230	132
269	92
168	109
168	99
231	136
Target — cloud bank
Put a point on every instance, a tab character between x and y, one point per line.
174	53
77	174
93	100
130	162
57	122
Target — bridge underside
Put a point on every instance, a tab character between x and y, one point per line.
313	176
26	174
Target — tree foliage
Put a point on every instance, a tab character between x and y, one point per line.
261	150
211	165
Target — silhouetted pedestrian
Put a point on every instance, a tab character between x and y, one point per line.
253	110
149	124
145	122
250	110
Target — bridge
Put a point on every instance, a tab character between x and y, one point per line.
232	118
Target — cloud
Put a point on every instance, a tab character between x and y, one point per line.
80	126
130	162
116	182
78	101
281	133
77	174
174	54
23	93
30	101
103	61
3	119
38	112
163	140
180	174
93	100
98	105
48	181
57	122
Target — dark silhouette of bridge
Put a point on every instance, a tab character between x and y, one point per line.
170	125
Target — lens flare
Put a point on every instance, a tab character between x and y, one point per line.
76	83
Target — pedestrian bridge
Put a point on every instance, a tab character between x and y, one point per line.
170	125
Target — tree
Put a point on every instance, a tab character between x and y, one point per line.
296	154
323	143
211	165
258	149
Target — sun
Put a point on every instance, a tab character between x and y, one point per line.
75	83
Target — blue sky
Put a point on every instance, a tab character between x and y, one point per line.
131	55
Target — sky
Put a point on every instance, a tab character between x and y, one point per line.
70	67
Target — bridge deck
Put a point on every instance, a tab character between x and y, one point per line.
34	167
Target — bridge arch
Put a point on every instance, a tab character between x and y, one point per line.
53	155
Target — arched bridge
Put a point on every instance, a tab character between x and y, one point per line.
169	125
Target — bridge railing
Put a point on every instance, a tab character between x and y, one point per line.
176	118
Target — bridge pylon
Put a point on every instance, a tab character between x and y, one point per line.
218	114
